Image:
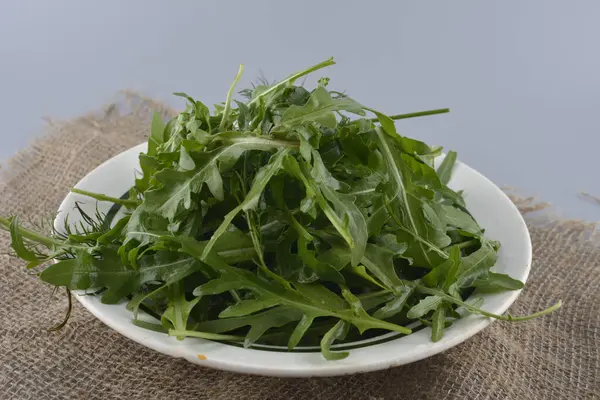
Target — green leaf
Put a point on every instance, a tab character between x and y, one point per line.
157	130
438	321
86	271
496	282
178	309
288	264
149	166
459	219
378	217
408	209
445	169
424	306
338	332
246	307
259	323
337	257
380	262
19	247
115	233
300	330
320	174
477	265
360	270
445	274
323	270
318	293
395	305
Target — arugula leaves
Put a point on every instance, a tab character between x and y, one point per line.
290	218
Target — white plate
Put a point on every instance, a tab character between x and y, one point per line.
489	205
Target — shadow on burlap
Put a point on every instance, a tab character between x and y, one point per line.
555	357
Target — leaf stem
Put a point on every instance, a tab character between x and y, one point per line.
103	197
227	109
415	114
292	78
475	310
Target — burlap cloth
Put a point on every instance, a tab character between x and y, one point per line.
555	357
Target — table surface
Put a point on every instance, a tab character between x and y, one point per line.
521	78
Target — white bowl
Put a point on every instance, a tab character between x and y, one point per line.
488	204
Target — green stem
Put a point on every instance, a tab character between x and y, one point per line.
475	310
292	78
31	235
416	114
204	335
103	197
227	109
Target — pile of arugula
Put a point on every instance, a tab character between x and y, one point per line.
282	220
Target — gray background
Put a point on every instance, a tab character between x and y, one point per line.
522	77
